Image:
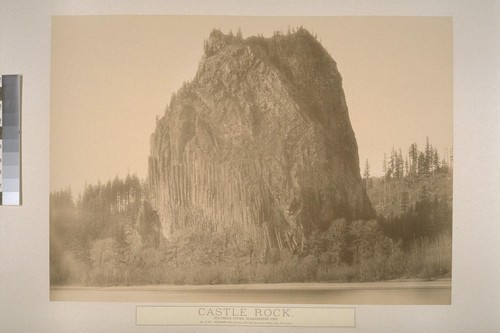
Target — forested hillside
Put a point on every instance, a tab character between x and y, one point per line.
414	202
110	235
95	238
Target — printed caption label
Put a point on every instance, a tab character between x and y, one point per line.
269	316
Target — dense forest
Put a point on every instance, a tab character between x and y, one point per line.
110	235
414	202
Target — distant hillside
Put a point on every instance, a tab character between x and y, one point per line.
392	197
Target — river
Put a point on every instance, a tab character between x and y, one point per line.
386	292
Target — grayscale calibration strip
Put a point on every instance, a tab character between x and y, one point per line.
10	140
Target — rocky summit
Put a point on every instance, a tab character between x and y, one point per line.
258	145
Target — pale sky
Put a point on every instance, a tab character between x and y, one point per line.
112	75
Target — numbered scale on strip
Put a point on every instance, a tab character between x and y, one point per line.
10	140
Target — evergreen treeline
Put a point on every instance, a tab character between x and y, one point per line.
413	201
94	238
416	162
110	235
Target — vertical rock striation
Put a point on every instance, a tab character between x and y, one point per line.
259	144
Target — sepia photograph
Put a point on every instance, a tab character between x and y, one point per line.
297	160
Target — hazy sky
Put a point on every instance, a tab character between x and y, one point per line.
111	76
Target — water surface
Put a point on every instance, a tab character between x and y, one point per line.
387	292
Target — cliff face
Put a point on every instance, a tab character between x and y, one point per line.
259	144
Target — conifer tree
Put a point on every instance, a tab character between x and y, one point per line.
399	164
384	165
435	158
366	175
428	156
393	160
407	167
413	153
422	167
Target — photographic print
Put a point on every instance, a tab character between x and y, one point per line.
251	159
